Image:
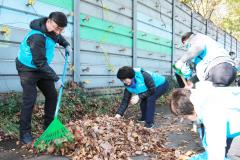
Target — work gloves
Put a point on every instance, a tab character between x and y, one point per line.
118	116
59	84
134	99
183	69
69	50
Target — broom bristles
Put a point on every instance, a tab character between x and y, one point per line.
56	132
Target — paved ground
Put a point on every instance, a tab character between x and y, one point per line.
182	139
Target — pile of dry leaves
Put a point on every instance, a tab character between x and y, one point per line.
3	136
109	138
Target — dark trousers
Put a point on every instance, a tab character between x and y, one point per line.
30	81
148	105
222	75
179	81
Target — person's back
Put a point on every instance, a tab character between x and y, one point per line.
211	60
215	53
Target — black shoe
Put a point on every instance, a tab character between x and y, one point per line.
141	120
26	138
149	125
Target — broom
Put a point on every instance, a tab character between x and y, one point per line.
56	132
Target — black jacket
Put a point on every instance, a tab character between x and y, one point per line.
37	47
127	95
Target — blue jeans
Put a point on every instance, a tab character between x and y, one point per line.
148	105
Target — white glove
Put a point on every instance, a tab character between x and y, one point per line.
179	64
118	116
69	50
185	69
134	99
58	84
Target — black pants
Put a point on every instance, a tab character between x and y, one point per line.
30	81
148	105
179	81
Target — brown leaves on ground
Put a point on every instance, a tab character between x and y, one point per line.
108	138
4	136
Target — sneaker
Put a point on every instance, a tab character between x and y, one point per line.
26	138
149	125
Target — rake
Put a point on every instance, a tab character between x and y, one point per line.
56	132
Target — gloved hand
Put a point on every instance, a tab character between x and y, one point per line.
186	71
134	99
69	50
179	64
58	84
118	116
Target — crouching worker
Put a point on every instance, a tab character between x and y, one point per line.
144	87
217	108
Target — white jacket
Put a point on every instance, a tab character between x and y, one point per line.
214	54
215	107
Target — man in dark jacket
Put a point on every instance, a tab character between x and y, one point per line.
141	86
35	54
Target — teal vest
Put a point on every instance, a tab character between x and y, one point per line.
200	56
25	54
140	84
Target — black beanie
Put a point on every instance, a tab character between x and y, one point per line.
59	18
125	72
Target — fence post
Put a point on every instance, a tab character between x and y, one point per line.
224	39
191	21
173	34
134	29
236	48
206	27
76	41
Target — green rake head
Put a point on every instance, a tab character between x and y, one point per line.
56	134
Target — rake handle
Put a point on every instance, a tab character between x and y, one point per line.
61	88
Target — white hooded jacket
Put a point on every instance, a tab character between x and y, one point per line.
218	108
214	54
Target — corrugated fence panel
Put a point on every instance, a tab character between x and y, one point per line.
238	49
199	24
234	45
154	38
228	42
211	30
108	10
221	37
182	25
16	16
106	41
